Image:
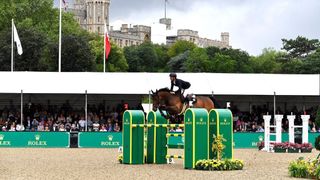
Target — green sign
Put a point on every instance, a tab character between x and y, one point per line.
35	139
100	140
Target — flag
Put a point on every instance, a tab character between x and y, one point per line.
106	42
17	39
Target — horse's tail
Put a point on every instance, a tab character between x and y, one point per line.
215	102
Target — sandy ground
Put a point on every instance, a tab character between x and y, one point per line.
102	164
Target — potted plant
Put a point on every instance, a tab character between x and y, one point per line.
306	148
294	148
280	147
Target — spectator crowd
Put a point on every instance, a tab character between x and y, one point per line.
38	117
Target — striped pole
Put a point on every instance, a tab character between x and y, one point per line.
157	125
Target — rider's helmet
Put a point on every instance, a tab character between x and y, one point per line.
173	75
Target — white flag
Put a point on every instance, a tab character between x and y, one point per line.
17	40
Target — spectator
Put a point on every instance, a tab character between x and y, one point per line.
116	127
103	128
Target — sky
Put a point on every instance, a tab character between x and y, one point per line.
253	24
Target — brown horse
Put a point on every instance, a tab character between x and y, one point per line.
172	104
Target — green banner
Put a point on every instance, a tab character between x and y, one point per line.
34	139
100	140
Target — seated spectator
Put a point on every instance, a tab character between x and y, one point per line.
61	127
103	128
116	127
19	127
179	129
46	128
96	126
12	127
260	129
41	126
82	123
74	127
109	127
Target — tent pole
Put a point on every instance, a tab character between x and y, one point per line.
86	110
21	116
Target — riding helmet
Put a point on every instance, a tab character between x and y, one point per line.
173	75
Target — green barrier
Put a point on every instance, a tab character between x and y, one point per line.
34	139
133	138
222	122
100	139
156	140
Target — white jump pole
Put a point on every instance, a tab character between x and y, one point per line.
278	127
305	120
267	119
291	127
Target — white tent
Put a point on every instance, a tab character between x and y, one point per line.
142	83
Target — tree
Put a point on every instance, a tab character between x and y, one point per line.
76	55
266	62
176	64
142	58
197	61
179	47
312	64
33	57
223	64
300	47
116	61
240	57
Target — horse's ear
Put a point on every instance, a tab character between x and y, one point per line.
152	91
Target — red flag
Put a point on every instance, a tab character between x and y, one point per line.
106	42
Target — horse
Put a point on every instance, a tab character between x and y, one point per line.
174	105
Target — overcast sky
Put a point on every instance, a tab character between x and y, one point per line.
252	24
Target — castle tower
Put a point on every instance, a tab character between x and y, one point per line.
225	38
92	14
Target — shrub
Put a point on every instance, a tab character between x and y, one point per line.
219	165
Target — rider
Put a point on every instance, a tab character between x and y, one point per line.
181	84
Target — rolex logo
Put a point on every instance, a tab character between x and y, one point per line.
37	137
110	137
201	119
1	137
260	138
225	120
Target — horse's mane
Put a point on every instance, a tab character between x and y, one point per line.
164	90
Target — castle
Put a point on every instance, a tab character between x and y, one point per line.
92	14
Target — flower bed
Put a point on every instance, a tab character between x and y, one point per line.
289	147
219	165
301	168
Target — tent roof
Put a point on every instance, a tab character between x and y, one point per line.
141	83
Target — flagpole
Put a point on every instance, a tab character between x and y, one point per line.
11	45
104	48
60	18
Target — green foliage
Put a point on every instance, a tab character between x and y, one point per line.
179	47
266	62
317	143
197	60
301	168
144	58
116	61
223	64
219	165
300	47
312	63
217	146
177	63
76	55
120	158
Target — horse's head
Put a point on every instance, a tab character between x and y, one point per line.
155	100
